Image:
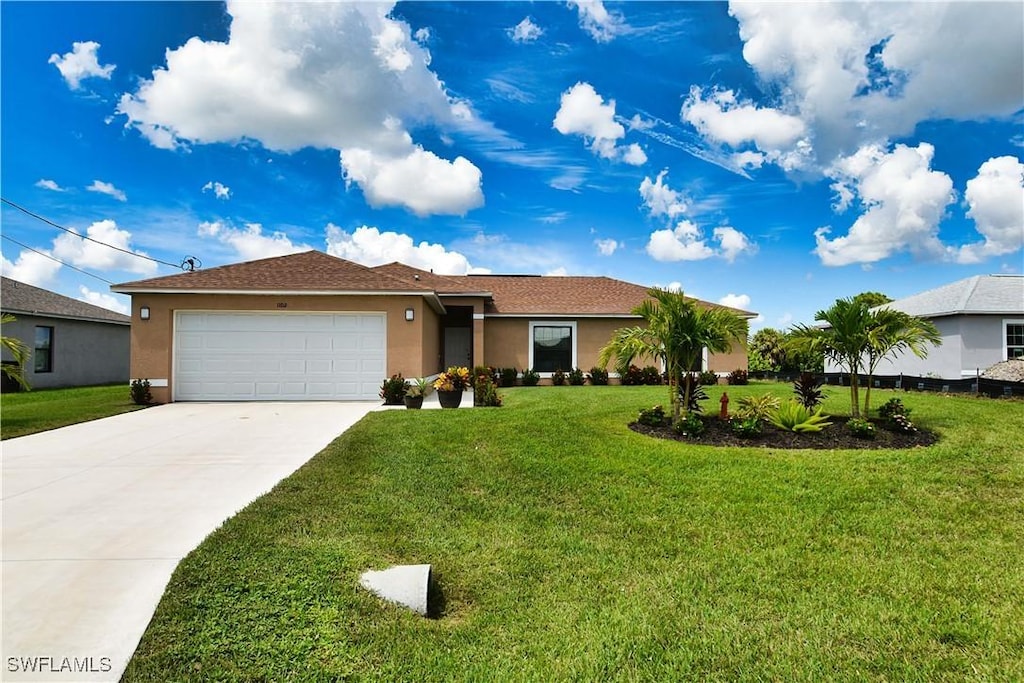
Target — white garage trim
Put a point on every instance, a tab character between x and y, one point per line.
278	355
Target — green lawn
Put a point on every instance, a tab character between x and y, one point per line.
570	548
36	411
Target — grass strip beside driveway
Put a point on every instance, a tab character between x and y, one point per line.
42	409
570	548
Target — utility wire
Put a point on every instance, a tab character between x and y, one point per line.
54	258
86	237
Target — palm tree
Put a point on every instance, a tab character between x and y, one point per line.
892	333
19	353
677	331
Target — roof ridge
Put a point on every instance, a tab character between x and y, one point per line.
971	287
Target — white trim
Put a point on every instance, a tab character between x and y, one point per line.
275	292
553	323
703	359
478	316
537	316
1006	323
155	383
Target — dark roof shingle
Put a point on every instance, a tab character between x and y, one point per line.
18	297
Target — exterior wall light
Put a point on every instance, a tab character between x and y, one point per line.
410	314
144	312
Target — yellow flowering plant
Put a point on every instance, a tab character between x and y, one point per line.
452	379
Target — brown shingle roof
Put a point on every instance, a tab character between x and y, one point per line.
307	271
18	297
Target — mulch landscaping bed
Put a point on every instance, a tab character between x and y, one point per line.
835	436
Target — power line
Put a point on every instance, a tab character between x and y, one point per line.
86	237
54	258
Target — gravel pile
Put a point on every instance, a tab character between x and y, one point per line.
1008	371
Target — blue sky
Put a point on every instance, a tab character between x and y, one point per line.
770	157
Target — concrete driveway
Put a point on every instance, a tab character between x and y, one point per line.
96	517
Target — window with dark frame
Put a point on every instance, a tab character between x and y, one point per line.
1014	340
43	352
552	348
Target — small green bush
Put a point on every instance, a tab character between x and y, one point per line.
902	424
393	390
530	377
485	389
759	407
652	417
140	393
861	428
746	427
507	377
894	406
707	378
794	417
632	377
697	393
651	376
737	377
577	378
598	376
558	378
689	425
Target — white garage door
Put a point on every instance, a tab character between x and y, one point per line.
278	356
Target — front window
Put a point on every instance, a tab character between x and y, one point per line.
44	349
1014	340
553	346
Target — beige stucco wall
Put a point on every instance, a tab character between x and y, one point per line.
409	343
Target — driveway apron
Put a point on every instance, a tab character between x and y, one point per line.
96	516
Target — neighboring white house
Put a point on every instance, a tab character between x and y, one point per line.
981	320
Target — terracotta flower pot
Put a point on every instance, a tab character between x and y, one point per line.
450	399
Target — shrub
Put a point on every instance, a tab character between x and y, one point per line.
746	427
558	378
794	417
633	376
598	376
892	408
140	393
507	377
689	425
758	407
393	390
650	376
652	417
485	391
530	377
707	378
902	424
577	378
808	390
737	377
861	428
697	393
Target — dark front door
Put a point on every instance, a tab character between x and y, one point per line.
458	347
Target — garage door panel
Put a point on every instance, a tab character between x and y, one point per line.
268	356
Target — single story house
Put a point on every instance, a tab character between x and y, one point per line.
311	326
72	343
980	318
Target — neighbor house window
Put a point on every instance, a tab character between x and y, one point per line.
1014	339
44	349
552	346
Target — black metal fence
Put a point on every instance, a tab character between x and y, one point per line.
994	388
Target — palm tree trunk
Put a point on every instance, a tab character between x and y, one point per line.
854	395
867	396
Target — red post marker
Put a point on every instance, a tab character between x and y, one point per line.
723	414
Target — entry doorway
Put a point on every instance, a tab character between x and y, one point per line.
457	337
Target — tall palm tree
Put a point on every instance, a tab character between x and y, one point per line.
677	331
893	333
19	353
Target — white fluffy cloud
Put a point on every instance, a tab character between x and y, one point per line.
660	199
421	181
903	200
582	111
371	247
732	242
30	268
687	242
107	189
220	190
49	185
342	76
607	246
995	200
525	31
108	301
81	63
597	21
740	301
83	253
250	243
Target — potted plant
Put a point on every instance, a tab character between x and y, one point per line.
450	385
393	390
415	390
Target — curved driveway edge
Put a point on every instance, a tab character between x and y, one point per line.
96	516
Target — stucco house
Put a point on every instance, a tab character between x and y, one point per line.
72	343
310	326
980	318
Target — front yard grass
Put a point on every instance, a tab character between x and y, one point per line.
42	409
570	548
